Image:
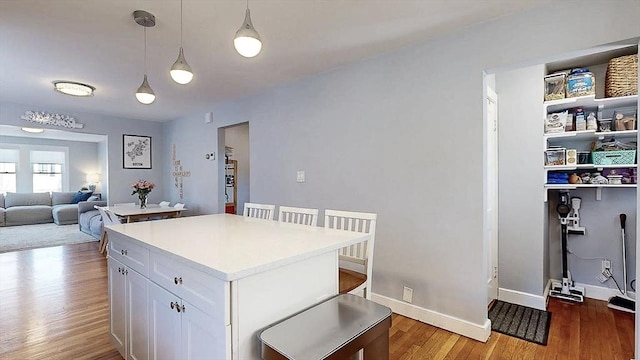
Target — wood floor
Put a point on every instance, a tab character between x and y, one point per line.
53	305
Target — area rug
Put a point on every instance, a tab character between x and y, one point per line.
41	235
520	321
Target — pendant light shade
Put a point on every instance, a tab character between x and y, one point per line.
181	71
247	41
145	94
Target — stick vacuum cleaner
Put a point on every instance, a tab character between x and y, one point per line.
624	302
567	290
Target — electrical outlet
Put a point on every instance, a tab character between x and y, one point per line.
300	177
602	278
407	294
606	265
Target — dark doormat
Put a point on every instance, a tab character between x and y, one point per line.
520	321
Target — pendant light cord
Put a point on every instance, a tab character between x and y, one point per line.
145	50
247	4
181	23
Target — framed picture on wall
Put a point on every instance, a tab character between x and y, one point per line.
136	152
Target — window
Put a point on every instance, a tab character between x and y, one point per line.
7	177
48	167
9	158
47	177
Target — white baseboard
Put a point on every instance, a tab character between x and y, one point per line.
450	323
597	292
524	299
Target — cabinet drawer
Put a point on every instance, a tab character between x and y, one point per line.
129	254
204	291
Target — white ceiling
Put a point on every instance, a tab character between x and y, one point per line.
98	43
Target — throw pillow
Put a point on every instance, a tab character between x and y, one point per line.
80	196
94	198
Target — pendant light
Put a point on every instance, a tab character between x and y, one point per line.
247	41
181	71
145	94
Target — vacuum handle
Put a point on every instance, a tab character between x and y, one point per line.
623	220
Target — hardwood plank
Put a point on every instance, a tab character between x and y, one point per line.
53	305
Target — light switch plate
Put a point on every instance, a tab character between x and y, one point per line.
300	177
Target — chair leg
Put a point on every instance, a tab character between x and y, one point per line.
104	239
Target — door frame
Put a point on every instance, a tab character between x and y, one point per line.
490	193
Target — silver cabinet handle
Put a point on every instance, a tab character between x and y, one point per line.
177	280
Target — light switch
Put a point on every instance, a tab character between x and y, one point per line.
300	176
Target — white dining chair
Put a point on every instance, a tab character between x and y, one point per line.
356	260
164	204
260	211
178	206
108	218
296	215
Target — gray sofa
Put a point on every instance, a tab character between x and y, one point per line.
38	208
89	218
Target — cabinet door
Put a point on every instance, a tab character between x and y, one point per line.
117	302
164	324
202	335
137	318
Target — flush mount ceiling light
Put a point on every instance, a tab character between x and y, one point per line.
247	41
73	88
181	71
145	94
32	130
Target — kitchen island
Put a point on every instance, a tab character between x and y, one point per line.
204	286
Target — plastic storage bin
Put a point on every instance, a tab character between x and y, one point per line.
622	157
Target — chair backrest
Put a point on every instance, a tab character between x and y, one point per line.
108	218
360	253
178	206
164	204
260	211
298	215
124	204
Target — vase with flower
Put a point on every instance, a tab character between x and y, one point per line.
142	188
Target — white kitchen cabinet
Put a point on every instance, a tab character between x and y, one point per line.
216	280
117	299
128	298
179	330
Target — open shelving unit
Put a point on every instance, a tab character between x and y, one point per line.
583	138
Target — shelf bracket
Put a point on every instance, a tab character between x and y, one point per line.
598	193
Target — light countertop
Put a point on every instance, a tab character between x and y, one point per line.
231	247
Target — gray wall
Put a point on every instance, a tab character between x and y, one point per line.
602	240
83	157
238	138
521	194
193	138
402	135
119	179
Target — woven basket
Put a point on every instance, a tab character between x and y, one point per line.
622	76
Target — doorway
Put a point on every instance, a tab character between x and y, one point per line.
237	167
